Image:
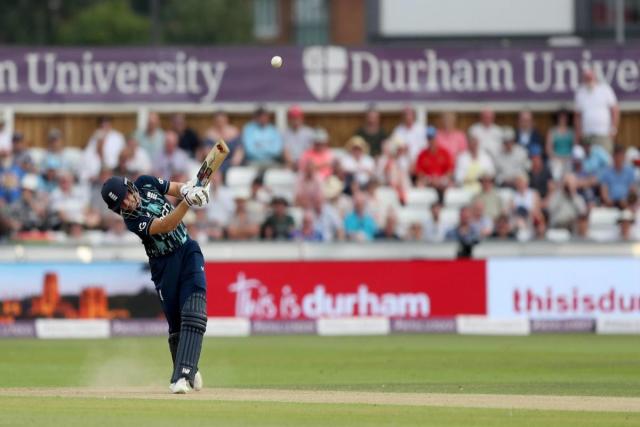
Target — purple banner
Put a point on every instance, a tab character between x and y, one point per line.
139	328
18	329
283	327
312	74
563	326
424	326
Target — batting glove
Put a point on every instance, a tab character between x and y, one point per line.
197	196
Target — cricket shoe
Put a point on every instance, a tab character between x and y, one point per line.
180	387
197	382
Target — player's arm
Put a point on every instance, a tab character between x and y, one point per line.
171	221
174	189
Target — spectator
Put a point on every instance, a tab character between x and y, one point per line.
371	131
187	138
526	202
357	164
319	154
69	201
489	197
527	135
30	211
20	150
472	164
138	161
221	129
597	112
51	168
434	230
359	225
173	160
377	208
57	150
10	176
625	226
117	233
540	178
414	233
279	225
151	138
581	228
308	230
450	138
328	221
113	142
487	133
334	193
5	135
480	220
411	132
93	158
389	230
511	161
262	142
464	233
595	158
243	225
298	137
566	205
308	187
617	180
220	209
434	166
393	168
560	140
503	229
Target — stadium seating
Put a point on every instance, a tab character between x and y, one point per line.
421	197
240	176
457	197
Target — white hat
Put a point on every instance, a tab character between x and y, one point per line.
30	182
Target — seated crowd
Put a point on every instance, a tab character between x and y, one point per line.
417	183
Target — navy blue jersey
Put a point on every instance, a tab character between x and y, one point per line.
154	205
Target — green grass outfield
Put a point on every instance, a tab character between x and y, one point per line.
578	365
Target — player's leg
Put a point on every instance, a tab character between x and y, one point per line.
193	316
165	275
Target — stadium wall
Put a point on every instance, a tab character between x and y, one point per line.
363	294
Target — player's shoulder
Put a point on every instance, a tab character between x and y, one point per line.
148	180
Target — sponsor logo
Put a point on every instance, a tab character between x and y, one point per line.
112	196
575	301
152	196
325	70
186	371
253	299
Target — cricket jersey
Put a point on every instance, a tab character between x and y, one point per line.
154	205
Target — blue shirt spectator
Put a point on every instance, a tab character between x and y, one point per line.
596	159
262	141
10	177
616	181
359	225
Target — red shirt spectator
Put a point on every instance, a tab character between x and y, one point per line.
319	154
434	162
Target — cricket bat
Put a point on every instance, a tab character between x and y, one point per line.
211	163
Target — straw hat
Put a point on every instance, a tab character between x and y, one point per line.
357	142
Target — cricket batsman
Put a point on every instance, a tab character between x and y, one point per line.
176	261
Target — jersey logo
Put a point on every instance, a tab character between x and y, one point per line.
112	196
142	225
152	196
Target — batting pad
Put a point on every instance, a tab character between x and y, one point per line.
192	328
